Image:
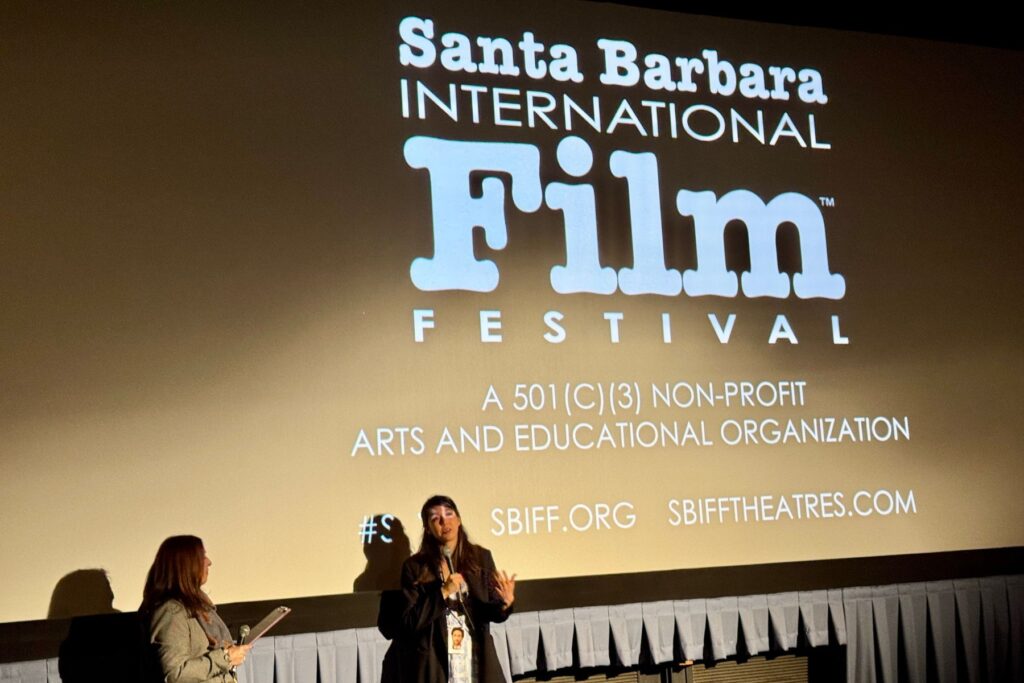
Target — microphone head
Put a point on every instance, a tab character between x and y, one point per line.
447	552
243	633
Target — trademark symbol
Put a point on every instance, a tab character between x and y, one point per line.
827	201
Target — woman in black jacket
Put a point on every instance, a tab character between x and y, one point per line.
450	586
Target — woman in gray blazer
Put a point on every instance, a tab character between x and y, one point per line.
190	642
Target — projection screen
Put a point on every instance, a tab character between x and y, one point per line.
639	290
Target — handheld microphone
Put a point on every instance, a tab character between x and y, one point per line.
447	552
243	633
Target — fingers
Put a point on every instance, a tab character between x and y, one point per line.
453	584
502	577
504	586
237	654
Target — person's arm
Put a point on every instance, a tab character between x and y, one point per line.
500	590
169	634
389	614
424	601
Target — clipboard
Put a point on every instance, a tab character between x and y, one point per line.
266	623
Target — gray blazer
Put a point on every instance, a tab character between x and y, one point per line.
183	650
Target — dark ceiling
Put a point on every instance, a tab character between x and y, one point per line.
984	26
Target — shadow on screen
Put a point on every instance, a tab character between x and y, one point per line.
80	593
386	547
102	643
385	553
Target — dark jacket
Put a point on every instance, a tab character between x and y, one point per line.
414	620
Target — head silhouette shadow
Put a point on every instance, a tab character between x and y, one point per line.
102	643
385	546
80	593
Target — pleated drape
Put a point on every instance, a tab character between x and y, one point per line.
967	630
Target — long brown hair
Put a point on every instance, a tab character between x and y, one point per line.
466	556
177	574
